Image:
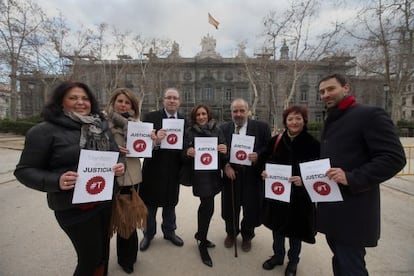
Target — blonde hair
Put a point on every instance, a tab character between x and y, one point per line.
129	94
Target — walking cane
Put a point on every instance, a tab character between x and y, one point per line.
234	218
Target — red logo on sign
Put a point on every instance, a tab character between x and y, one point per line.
278	188
241	155
139	145
95	185
206	158
322	188
172	139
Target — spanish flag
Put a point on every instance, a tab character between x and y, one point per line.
213	21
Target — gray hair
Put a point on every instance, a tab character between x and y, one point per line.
239	100
171	89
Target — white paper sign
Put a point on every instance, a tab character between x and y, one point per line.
206	154
277	185
139	140
317	184
95	176
241	147
175	131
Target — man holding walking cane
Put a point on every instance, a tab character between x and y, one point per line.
243	189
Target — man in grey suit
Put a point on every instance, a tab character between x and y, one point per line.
247	182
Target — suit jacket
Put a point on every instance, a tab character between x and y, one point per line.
248	184
160	174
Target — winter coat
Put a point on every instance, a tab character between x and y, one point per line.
204	182
52	148
362	141
133	175
296	218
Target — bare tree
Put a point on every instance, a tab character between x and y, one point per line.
384	30
18	21
308	41
148	51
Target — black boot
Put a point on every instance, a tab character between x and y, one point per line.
205	257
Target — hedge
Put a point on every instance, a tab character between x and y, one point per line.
20	126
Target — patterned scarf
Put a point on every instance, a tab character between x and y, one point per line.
92	136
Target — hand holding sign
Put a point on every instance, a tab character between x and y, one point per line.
241	149
319	187
139	141
174	130
96	170
206	154
277	185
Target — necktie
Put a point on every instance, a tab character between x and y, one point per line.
237	130
171	117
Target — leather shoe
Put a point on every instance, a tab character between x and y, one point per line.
272	262
246	245
208	243
128	269
145	243
205	257
291	269
176	240
228	241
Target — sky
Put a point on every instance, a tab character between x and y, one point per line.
186	21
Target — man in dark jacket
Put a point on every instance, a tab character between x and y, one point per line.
160	186
364	151
247	182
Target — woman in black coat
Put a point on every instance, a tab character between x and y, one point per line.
49	162
206	183
294	219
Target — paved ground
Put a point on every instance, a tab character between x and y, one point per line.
31	242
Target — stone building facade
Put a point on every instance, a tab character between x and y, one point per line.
4	101
265	83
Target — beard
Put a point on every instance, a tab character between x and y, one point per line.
239	120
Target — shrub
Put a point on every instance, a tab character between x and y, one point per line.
20	126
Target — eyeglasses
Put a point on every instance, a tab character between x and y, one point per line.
171	98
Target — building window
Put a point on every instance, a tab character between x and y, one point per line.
188	97
304	88
412	100
208	93
227	94
318	117
318	96
403	101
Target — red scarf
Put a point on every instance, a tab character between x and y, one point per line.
347	102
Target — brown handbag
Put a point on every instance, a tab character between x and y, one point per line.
128	213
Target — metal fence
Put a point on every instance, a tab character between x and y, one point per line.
408	169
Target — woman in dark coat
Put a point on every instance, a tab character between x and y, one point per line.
294	219
49	161
206	183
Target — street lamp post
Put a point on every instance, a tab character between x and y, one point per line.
386	91
31	87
